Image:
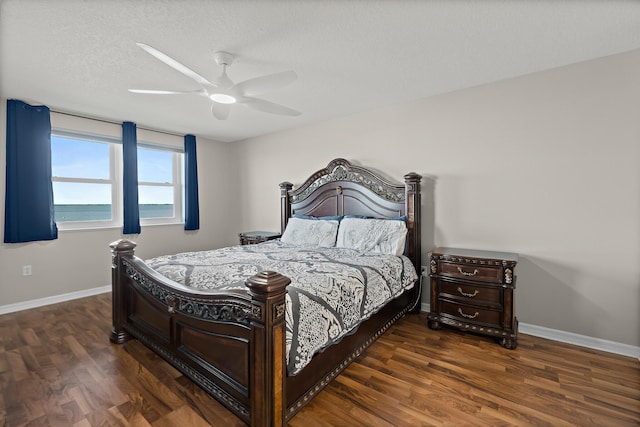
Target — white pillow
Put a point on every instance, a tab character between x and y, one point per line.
372	235
307	232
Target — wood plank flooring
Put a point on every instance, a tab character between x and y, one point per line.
58	368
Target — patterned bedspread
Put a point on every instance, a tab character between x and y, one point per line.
332	290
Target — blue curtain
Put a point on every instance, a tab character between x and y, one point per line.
192	207
29	211
130	179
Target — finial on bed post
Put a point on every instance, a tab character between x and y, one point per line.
119	249
285	204
267	373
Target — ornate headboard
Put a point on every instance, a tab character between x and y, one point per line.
345	189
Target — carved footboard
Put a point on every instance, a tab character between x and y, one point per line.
232	344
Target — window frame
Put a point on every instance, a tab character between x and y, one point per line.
177	167
115	171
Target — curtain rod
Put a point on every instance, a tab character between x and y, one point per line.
112	122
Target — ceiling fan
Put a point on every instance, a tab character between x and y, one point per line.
223	92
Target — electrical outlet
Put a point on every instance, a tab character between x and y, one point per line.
26	270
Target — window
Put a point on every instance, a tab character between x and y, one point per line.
87	181
159	184
86	193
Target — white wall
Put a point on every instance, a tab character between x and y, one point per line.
545	165
81	260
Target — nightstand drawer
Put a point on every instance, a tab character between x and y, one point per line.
474	294
471	271
471	314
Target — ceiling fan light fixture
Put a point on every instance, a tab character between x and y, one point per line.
223	98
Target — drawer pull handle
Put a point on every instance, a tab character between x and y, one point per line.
468	316
475	292
465	273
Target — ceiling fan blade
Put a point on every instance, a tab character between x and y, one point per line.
269	107
167	92
263	84
220	111
176	65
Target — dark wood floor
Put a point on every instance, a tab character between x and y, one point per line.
58	368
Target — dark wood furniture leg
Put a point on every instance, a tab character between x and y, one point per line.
119	249
267	349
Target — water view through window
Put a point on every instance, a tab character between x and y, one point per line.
90	212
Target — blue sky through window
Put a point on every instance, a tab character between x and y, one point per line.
72	158
81	193
154	166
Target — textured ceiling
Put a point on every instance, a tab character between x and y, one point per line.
351	56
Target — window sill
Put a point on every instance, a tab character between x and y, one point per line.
161	224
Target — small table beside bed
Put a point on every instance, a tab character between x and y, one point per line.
265	327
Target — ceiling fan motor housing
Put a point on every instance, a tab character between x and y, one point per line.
223	58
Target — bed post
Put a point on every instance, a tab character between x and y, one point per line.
412	200
267	349
412	189
285	204
119	249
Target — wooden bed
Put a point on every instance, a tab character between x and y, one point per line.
232	343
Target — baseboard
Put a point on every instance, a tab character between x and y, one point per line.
19	306
571	338
581	340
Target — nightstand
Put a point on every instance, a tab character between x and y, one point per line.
474	290
253	237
